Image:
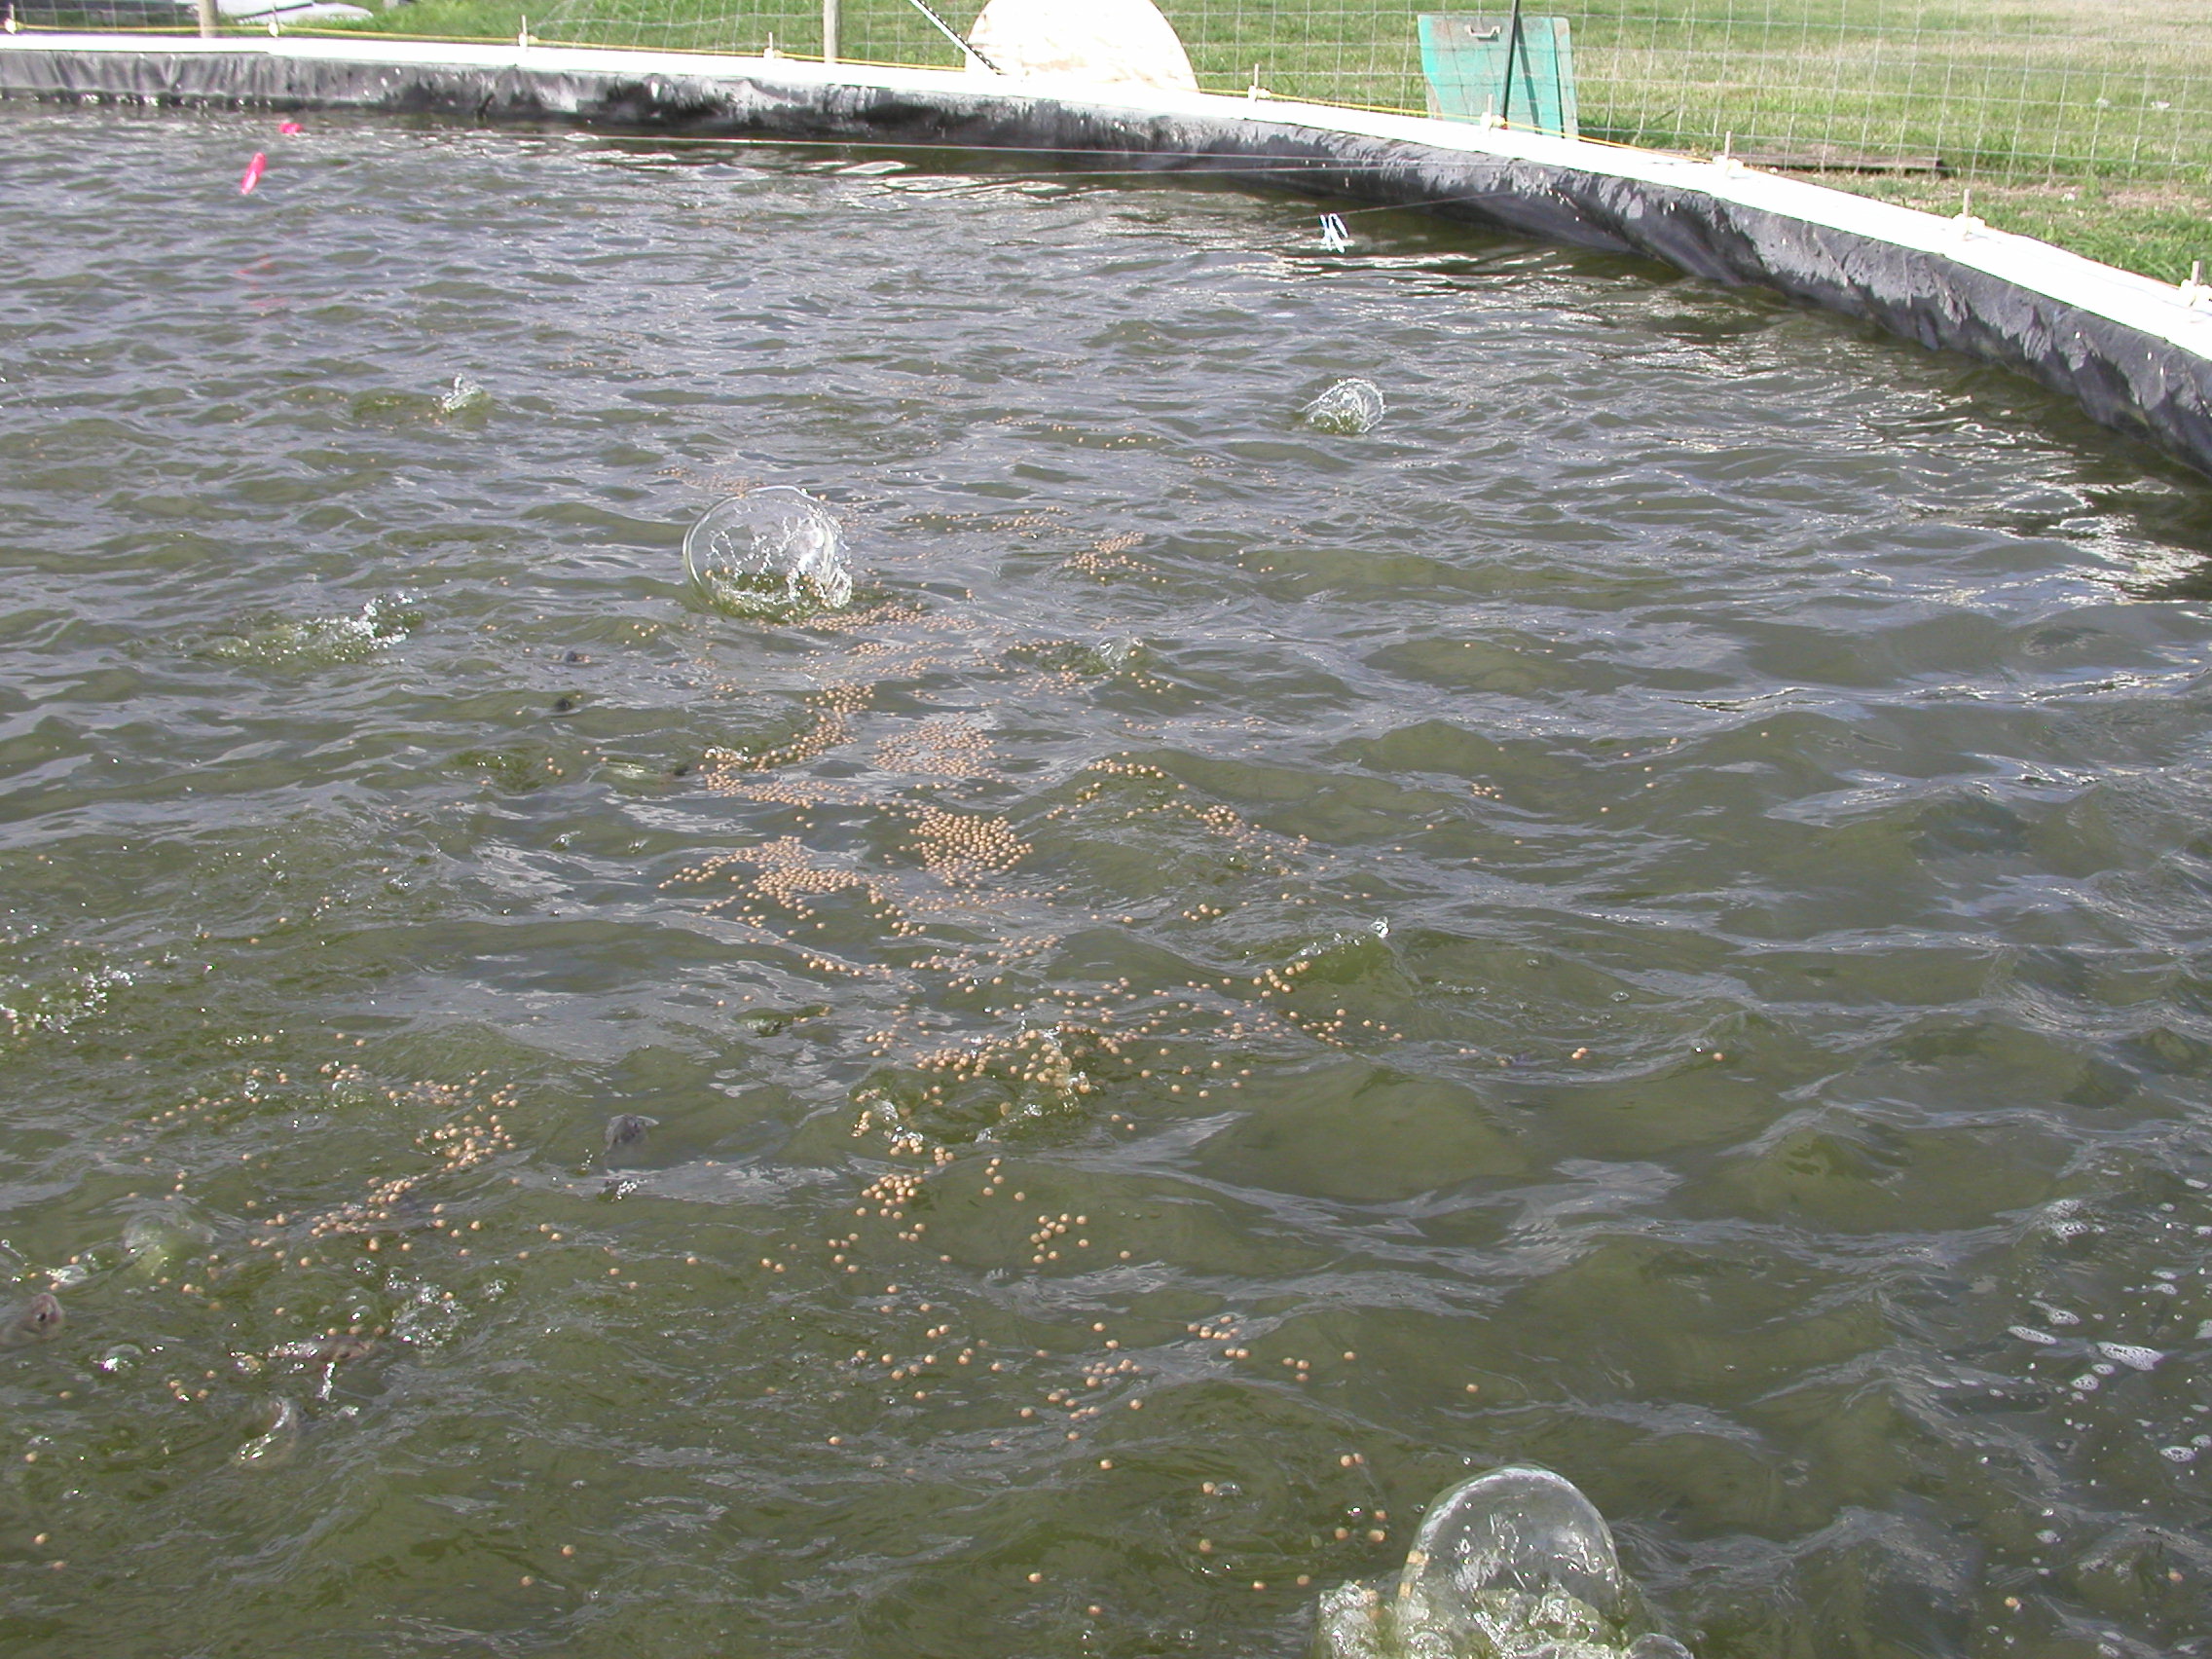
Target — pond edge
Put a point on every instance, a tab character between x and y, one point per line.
2136	353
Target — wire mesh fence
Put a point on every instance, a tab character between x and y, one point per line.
2024	87
2014	88
2005	90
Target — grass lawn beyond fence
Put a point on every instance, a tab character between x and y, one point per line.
2085	123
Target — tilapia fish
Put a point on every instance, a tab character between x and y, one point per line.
38	1320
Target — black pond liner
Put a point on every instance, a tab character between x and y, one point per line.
2111	339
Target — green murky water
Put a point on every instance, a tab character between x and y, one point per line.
1650	915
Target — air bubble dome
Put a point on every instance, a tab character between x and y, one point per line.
774	552
1513	1529
1513	1565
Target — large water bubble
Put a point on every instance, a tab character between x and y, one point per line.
1513	1565
775	552
1351	407
153	1243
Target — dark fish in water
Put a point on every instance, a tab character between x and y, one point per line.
40	1320
627	1127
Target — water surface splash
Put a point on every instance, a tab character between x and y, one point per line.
464	396
775	552
318	642
1350	407
1513	1565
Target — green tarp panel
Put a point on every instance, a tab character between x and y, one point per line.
1463	56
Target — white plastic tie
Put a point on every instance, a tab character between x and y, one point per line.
1968	226
2195	294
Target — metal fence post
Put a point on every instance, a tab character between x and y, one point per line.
1512	52
829	31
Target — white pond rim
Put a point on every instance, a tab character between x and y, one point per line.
2136	353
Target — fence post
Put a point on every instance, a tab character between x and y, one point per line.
829	31
1512	52
207	18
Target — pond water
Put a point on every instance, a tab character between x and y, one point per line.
1649	915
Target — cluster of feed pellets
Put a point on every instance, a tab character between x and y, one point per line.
829	725
943	746
1052	1230
784	875
966	849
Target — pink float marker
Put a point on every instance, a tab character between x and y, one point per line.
288	127
253	172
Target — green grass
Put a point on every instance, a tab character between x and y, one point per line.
874	31
2013	88
2086	123
2011	91
2154	229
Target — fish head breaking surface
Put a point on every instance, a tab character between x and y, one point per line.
627	1129
39	1320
